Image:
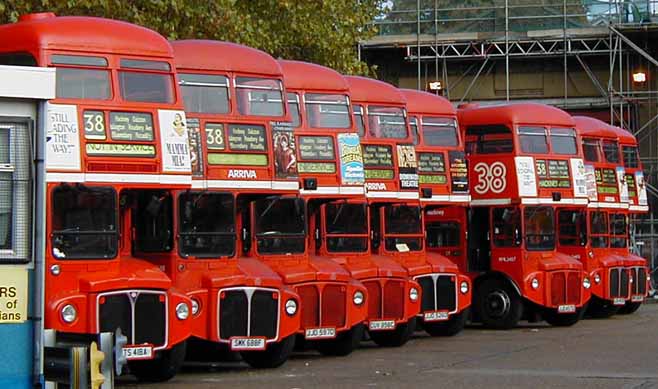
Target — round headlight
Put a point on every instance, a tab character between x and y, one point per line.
534	283
182	311
586	283
291	307
597	278
358	297
463	287
195	307
69	313
413	294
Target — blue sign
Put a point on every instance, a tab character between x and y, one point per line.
351	160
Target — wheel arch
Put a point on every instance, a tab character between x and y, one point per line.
499	277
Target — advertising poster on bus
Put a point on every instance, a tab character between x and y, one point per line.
408	167
641	188
285	150
590	183
174	141
351	160
196	151
62	138
623	185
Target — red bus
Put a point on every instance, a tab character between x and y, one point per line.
524	164
443	185
248	151
116	148
330	155
233	95
396	217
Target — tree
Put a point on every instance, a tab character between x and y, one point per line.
324	32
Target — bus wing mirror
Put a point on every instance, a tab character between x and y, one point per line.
517	237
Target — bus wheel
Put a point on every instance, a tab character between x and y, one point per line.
396	338
562	319
601	309
274	356
629	308
344	343
163	368
498	305
451	327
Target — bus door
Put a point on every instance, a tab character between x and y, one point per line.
479	249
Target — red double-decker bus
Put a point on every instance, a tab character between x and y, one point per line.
524	165
233	99
443	185
116	147
332	179
396	217
248	151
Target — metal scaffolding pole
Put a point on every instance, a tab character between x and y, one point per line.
418	43
506	50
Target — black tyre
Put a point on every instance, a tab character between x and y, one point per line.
275	355
344	343
601	309
629	308
498	305
451	327
395	338
556	319
162	368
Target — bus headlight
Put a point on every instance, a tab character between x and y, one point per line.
463	287
195	307
358	297
182	311
597	278
69	313
586	283
413	294
291	307
534	283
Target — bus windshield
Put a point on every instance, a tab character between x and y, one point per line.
387	122
618	230
259	96
572	228
347	227
439	131
206	224
599	225
280	226
402	228
204	93
327	110
539	228
84	222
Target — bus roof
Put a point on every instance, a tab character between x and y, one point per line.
310	76
427	103
521	113
198	54
587	126
625	136
45	31
371	91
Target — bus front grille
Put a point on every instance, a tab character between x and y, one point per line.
248	312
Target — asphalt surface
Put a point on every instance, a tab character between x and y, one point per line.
620	352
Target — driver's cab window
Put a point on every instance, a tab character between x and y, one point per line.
443	234
572	228
506	223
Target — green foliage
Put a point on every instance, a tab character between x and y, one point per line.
321	31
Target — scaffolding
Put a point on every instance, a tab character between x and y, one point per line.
489	32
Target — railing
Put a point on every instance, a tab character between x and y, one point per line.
403	17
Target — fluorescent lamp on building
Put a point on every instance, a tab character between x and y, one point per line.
639	77
435	85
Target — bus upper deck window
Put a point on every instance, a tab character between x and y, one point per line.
611	151
439	131
358	118
591	150
146	87
80	77
533	140
494	139
327	110
387	122
259	96
413	124
293	107
204	93
630	156
563	141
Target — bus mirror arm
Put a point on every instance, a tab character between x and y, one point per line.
517	237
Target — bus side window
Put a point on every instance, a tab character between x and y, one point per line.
506	227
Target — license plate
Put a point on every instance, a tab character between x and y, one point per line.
133	353
637	299
566	308
380	325
618	301
435	316
320	333
239	344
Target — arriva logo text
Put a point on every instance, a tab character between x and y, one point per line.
248	174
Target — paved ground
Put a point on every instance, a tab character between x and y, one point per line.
621	352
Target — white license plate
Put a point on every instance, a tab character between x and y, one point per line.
239	344
566	308
132	353
435	316
618	301
320	333
637	299
380	325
